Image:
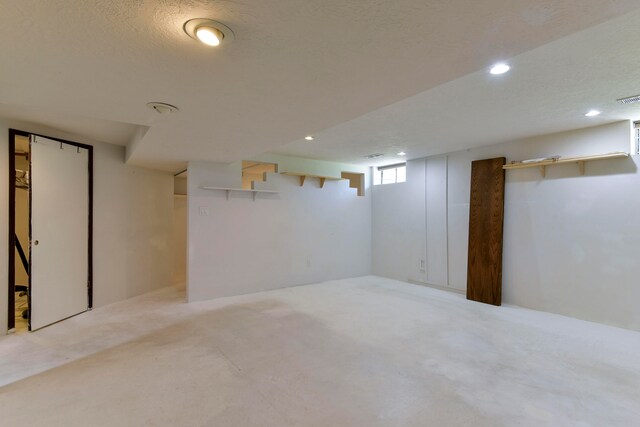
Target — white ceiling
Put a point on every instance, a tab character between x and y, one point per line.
296	67
96	129
549	89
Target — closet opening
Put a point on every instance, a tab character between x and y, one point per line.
50	230
21	235
180	214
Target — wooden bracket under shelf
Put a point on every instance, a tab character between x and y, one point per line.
303	176
580	161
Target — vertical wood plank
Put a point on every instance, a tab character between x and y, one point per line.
486	218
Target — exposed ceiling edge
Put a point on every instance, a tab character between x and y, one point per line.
45	130
135	142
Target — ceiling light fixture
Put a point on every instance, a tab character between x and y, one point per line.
500	68
309	138
209	35
402	153
208	31
162	107
592	113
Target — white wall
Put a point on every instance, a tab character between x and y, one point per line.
570	241
180	240
133	216
399	226
133	227
301	235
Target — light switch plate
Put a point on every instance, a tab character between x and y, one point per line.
203	211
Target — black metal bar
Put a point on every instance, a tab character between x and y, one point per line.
23	257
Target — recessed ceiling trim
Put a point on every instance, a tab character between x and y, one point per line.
191	28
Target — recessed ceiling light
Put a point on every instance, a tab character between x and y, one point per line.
500	68
592	113
308	138
208	31
209	35
402	153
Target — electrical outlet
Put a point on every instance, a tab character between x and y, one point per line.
203	211
422	265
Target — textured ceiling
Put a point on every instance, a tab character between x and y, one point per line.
95	129
296	66
549	89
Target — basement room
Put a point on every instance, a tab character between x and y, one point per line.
320	213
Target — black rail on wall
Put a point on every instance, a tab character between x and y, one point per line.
23	257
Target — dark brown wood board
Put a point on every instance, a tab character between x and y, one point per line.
486	218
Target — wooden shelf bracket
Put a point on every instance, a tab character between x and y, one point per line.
580	161
303	176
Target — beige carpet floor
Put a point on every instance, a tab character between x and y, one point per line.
356	352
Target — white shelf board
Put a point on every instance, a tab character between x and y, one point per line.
242	190
580	161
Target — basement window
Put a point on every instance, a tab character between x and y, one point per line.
390	174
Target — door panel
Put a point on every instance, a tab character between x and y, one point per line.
59	231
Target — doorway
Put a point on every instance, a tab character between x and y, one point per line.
180	215
50	230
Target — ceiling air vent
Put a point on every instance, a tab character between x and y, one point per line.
629	100
374	156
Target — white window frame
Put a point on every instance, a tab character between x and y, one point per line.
382	172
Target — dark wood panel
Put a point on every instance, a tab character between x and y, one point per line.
486	218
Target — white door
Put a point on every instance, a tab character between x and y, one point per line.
59	231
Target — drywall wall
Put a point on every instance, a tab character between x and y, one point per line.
180	186
133	227
133	220
300	235
399	249
569	240
179	241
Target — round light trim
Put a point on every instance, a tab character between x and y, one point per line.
593	113
162	107
208	31
500	68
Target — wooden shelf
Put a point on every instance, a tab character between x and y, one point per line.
242	190
320	178
580	161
